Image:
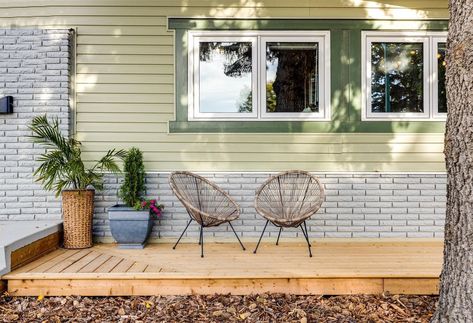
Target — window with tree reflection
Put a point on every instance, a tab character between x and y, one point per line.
397	77
225	77
292	77
441	70
259	75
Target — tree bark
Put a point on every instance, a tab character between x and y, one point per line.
291	83
456	287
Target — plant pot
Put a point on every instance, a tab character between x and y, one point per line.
130	228
77	213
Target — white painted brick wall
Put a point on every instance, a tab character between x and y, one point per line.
359	205
34	69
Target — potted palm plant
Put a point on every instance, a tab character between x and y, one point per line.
63	171
131	223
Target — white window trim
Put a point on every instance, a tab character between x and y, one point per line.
259	74
323	39
435	73
425	37
194	75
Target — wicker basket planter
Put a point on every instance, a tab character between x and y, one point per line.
78	211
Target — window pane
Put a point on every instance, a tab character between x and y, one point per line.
442	93
397	77
225	77
292	77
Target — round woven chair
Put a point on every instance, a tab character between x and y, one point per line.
205	202
287	200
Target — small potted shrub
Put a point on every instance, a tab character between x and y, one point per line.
63	171
131	223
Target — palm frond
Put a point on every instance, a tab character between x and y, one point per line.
61	185
53	166
61	165
49	135
95	179
108	163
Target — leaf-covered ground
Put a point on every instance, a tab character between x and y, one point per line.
219	308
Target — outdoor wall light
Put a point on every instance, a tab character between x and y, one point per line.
6	105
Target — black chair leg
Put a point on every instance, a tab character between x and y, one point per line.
202	241
261	236
182	234
279	234
307	233
306	236
236	235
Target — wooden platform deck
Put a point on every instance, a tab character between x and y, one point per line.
337	267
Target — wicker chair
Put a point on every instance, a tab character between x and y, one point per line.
205	203
287	200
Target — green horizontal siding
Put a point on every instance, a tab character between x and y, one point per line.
126	80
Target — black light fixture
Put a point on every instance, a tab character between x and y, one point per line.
6	105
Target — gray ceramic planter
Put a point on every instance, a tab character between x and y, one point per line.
129	228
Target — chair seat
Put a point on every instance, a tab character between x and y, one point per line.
285	223
210	220
288	199
205	202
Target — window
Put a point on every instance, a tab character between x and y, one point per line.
259	76
224	77
404	76
438	79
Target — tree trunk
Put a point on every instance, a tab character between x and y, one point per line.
291	83
456	287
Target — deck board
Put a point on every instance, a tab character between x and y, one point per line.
337	267
46	259
59	266
93	265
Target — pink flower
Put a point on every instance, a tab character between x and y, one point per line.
153	202
143	204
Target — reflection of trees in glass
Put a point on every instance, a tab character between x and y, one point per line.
397	77
270	98
237	55
296	77
234	60
245	103
442	69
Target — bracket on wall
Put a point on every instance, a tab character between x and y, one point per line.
6	105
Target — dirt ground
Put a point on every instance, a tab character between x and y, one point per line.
219	308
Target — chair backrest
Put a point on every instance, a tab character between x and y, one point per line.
203	199
290	195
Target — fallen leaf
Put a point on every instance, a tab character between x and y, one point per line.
245	315
217	313
397	308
